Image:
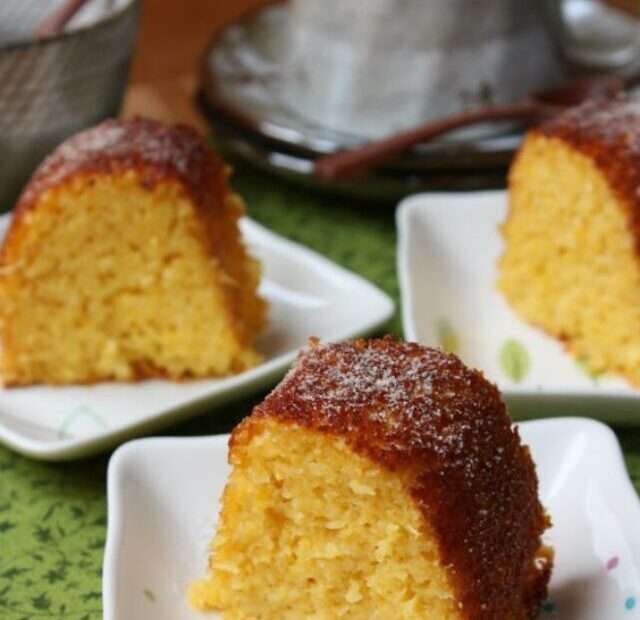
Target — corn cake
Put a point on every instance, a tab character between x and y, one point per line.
571	263
379	480
124	260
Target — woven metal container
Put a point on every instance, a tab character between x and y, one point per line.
54	87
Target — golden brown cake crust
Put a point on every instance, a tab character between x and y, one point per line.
158	150
608	132
413	408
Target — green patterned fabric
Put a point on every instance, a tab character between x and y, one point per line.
53	516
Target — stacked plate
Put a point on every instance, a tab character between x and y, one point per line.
243	96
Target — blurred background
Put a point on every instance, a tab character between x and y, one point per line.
373	101
173	37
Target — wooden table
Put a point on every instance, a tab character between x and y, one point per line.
173	37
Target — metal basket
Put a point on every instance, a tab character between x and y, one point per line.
52	88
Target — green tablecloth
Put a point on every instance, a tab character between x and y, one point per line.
53	516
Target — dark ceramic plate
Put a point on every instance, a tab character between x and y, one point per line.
384	185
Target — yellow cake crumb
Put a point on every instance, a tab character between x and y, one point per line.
324	533
106	279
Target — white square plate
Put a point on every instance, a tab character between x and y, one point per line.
308	296
163	505
448	247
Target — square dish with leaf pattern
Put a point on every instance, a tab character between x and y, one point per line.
448	248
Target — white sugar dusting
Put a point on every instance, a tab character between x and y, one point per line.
97	139
613	121
137	140
421	398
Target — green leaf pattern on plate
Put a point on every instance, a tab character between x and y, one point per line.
583	367
81	412
149	595
514	360
447	336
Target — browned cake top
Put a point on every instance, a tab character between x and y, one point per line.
406	406
608	132
157	149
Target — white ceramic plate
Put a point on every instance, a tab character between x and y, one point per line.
308	296
163	505
448	248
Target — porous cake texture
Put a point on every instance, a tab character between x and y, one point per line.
571	263
124	260
380	480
